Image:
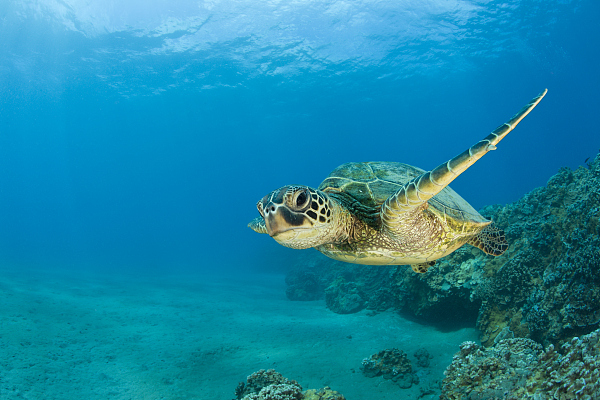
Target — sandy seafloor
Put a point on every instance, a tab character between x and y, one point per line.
67	335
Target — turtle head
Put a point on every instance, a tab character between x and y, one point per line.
295	216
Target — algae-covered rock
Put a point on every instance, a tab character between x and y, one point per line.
303	286
521	369
489	373
277	392
315	277
423	357
344	297
547	286
256	382
444	293
271	385
392	364
325	393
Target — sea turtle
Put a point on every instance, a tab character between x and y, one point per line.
386	213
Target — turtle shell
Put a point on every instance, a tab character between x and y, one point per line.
363	187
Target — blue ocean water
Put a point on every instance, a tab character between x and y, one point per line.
139	135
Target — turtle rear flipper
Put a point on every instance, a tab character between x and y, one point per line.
423	267
491	240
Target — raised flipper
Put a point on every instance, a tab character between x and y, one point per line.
258	225
419	190
491	240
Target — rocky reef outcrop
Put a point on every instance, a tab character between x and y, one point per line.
521	369
346	287
271	385
256	382
323	394
545	287
344	297
303	285
392	364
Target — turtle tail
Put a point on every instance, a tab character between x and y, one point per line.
491	240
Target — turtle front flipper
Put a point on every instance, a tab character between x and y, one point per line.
258	225
416	192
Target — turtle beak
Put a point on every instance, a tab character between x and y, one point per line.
275	220
280	219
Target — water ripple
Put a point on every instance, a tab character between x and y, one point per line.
328	38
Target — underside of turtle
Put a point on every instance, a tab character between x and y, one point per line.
386	213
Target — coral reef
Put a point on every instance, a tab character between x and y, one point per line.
521	369
271	385
323	394
391	364
277	392
314	276
303	286
344	297
545	287
423	357
480	373
260	380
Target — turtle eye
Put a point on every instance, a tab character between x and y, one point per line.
301	199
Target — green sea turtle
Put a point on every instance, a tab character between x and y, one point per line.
386	213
